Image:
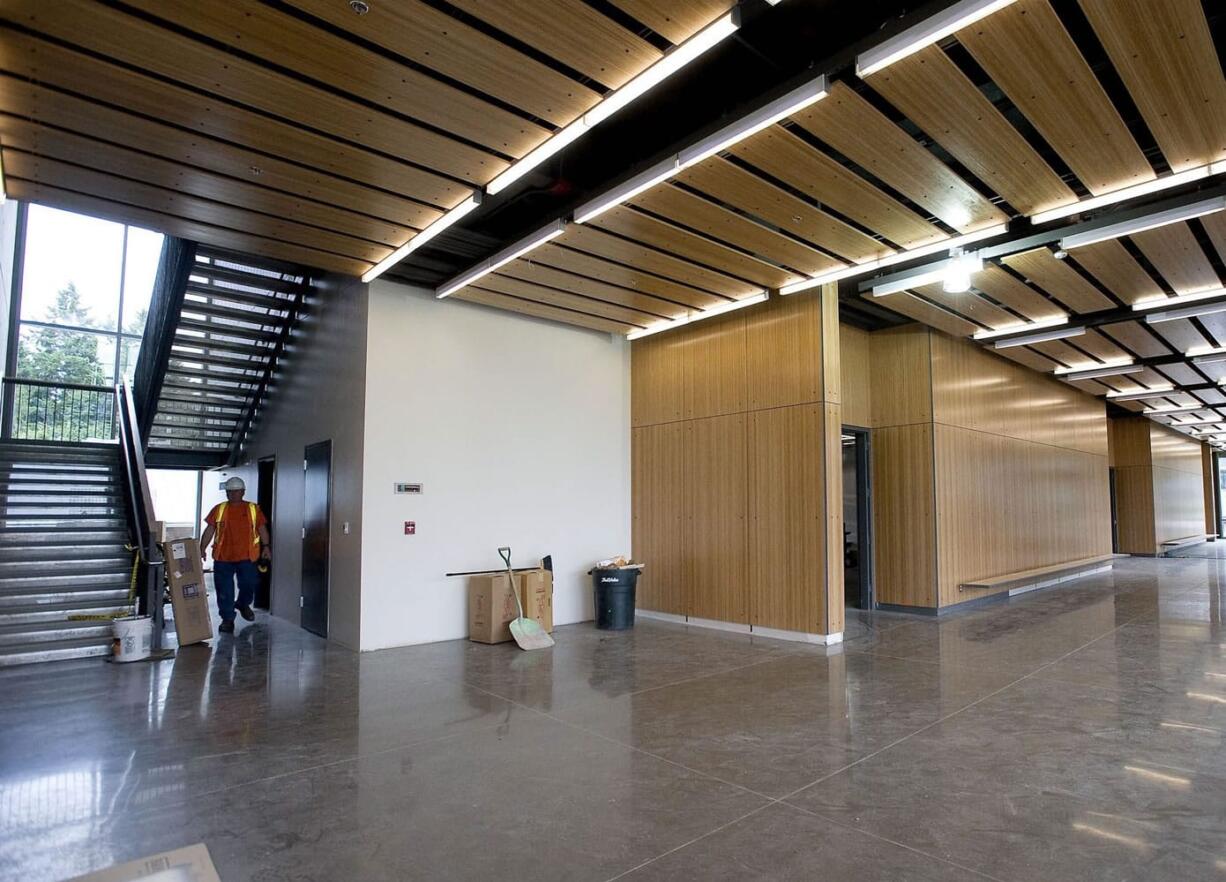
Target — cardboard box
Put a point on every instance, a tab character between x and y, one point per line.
188	594
191	864
491	608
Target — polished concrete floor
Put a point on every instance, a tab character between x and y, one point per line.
1216	549
1074	733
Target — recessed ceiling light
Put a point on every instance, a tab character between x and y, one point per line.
359	6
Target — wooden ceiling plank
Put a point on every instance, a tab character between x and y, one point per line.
1090	387
63	68
676	20
1215	324
1028	357
552	254
1100	347
700	214
911	307
751	194
967	304
1029	54
146	46
572	32
667	237
1134	337
1166	56
433	39
934	94
587	238
528	270
293	44
234	240
1058	350
1181	334
1111	264
37	140
540	310
1059	280
783	155
1015	294
849	124
1215	228
1175	253
51	173
1181	373
519	288
354	205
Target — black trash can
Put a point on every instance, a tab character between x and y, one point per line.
613	591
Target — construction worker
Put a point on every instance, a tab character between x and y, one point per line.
242	539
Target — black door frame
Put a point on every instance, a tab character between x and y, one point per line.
264	592
864	513
327	574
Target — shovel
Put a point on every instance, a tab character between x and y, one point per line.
528	633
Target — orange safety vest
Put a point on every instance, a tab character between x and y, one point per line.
252	510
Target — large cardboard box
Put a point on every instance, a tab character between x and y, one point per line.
491	608
188	594
191	864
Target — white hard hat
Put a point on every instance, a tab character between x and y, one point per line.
235	483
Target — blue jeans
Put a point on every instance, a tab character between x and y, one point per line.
225	572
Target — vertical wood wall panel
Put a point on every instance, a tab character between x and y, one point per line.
1179	496
855	375
1208	478
904	522
783	352
901	376
717	507
659	528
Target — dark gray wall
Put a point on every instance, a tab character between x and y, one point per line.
319	394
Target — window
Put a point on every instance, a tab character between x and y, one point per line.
85	289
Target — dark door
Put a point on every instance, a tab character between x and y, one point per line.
317	513
857	525
264	497
1115	518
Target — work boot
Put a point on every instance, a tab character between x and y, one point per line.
247	613
226	627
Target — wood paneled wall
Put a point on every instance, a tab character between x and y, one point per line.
856	374
736	454
1162	490
981	467
1209	479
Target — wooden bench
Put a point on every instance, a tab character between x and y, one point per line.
1041	577
1172	544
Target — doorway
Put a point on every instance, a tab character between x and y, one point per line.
857	523
265	496
316	536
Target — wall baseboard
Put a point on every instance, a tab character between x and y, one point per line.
741	628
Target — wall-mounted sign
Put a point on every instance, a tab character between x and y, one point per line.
410	528
408	488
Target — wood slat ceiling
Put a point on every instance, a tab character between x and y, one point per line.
336	135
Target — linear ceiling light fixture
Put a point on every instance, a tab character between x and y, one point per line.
898	257
1136	190
645	180
1107	370
1041	337
503	257
1051	322
451	217
1180	408
1199	422
697	315
1215	358
925	33
1141	224
1156	392
1179	300
1170	315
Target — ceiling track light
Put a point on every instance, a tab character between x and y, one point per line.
1141	224
503	257
1041	337
779	109
954	275
931	30
1157	392
447	220
1038	324
1095	373
1135	191
1170	315
894	259
698	315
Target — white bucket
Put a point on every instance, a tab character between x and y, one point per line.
133	638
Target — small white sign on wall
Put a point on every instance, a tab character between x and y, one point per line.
408	488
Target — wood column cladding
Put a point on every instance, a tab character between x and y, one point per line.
1161	486
737	479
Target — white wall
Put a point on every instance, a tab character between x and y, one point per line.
519	430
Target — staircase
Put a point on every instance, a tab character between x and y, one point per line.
222	343
63	531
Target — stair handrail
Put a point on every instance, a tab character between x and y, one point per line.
143	521
165	304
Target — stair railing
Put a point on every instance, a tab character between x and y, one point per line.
142	522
